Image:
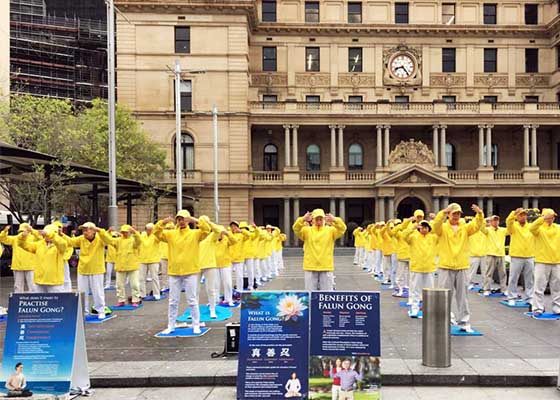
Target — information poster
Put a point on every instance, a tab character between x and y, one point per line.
346	346
45	333
274	346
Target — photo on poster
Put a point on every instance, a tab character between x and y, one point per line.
344	378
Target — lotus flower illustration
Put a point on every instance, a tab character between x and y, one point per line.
290	307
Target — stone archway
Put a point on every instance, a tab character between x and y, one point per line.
407	205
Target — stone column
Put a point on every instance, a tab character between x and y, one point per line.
391	212
379	146
386	146
525	202
435	144
287	145
287	226
443	148
480	202
489	207
333	145
296	216
481	156
341	146
535	202
445	202
489	146
381	208
435	204
526	160
295	151
332	208
534	146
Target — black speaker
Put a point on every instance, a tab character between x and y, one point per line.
232	338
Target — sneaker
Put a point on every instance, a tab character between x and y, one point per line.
167	331
413	313
466	328
120	304
101	316
135	304
107	287
511	303
537	314
196	330
157	297
148	279
213	314
486	293
354	263
231	304
470	286
497	290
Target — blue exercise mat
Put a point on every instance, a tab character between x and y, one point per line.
166	290
222	313
126	307
182	332
475	288
110	288
404	304
456	331
92	319
418	316
545	316
386	287
226	305
152	298
3	318
493	295
402	296
518	304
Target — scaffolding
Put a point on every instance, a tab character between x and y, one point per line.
60	57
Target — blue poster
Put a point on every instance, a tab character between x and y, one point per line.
41	334
346	345
274	346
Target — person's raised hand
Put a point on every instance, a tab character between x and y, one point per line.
329	218
476	208
168	220
6	228
307	216
518	211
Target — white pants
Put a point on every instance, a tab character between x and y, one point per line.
212	284
419	281
93	284
258	269
547	273
335	392
402	274
226	283
237	268
132	277
390	266
67	278
358	254
153	271
346	395
518	266
48	288
250	265
369	258
163	281
22	277
378	262
318	280
176	284
109	273
269	267
475	263
457	281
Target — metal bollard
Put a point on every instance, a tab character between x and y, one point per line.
436	328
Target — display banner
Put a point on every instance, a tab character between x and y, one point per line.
45	332
274	346
345	346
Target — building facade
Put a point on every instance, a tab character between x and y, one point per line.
368	109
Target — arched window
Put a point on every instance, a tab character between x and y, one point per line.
313	154
270	161
450	157
494	155
187	152
355	156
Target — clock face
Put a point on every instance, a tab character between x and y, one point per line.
402	66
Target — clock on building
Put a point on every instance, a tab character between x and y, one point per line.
402	66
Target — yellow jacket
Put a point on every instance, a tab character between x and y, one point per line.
403	248
236	249
367	240
163	250
250	243
149	249
522	241
547	239
111	255
264	248
387	244
22	260
318	243
477	244
453	245
184	245
279	238
223	254
359	239
207	253
128	252
423	250
50	259
495	240
69	249
92	254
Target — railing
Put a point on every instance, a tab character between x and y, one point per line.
508	106
469	107
360	107
267	105
549	175
188	174
360	176
462	175
508	175
422	107
314	176
323	106
548	106
267	176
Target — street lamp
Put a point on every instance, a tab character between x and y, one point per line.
113	208
178	159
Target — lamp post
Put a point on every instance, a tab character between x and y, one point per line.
113	207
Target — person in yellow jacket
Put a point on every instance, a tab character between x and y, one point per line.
261	267
150	257
403	256
278	239
367	257
269	245
49	270
127	264
23	261
495	255
376	242
164	262
423	248
477	254
110	259
547	261
250	253
223	264
236	253
184	266
359	245
318	247
91	268
453	238
67	256
388	249
522	254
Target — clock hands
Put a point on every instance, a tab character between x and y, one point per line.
402	67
